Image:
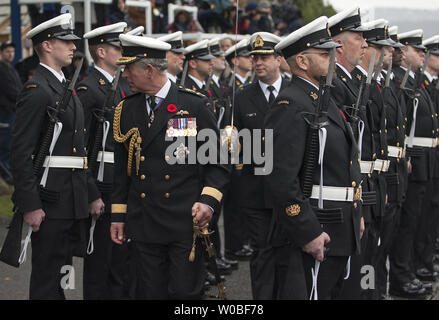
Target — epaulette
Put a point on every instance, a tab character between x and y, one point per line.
81	88
31	85
181	88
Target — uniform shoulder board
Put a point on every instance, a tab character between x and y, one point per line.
131	95
191	91
82	88
31	85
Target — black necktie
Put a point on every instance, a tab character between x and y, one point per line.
271	97
152	104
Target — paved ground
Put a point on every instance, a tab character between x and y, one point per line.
14	282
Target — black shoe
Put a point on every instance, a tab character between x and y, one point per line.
248	248
211	280
223	267
408	290
241	254
425	285
426	275
233	263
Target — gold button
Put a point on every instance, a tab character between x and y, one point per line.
403	126
382	151
406	119
167	177
73	170
359	160
432	131
355	205
263	138
76	131
385	130
263	154
397	127
142	195
350	162
353	184
142	158
142	177
380	131
85	130
85	149
397	144
167	158
369	175
74	150
167	195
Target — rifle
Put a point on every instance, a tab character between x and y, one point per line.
204	235
209	79
363	93
316	121
379	65
184	74
10	253
99	115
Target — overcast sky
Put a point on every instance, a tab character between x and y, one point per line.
344	4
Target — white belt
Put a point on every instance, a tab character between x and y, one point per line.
348	194
66	162
396	152
423	142
108	156
381	165
367	166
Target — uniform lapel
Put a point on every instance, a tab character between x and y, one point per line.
52	81
257	97
161	115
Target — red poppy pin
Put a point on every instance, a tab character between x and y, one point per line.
172	108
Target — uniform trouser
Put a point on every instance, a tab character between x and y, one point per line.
105	270
427	228
52	250
290	275
262	263
330	276
360	265
163	271
401	256
389	226
235	228
215	237
6	118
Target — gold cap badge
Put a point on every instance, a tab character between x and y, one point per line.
259	42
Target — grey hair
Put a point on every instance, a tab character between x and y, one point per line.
160	64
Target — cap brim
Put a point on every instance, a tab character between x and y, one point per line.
126	60
68	37
178	50
205	57
435	51
262	52
115	44
419	46
358	29
328	45
386	42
